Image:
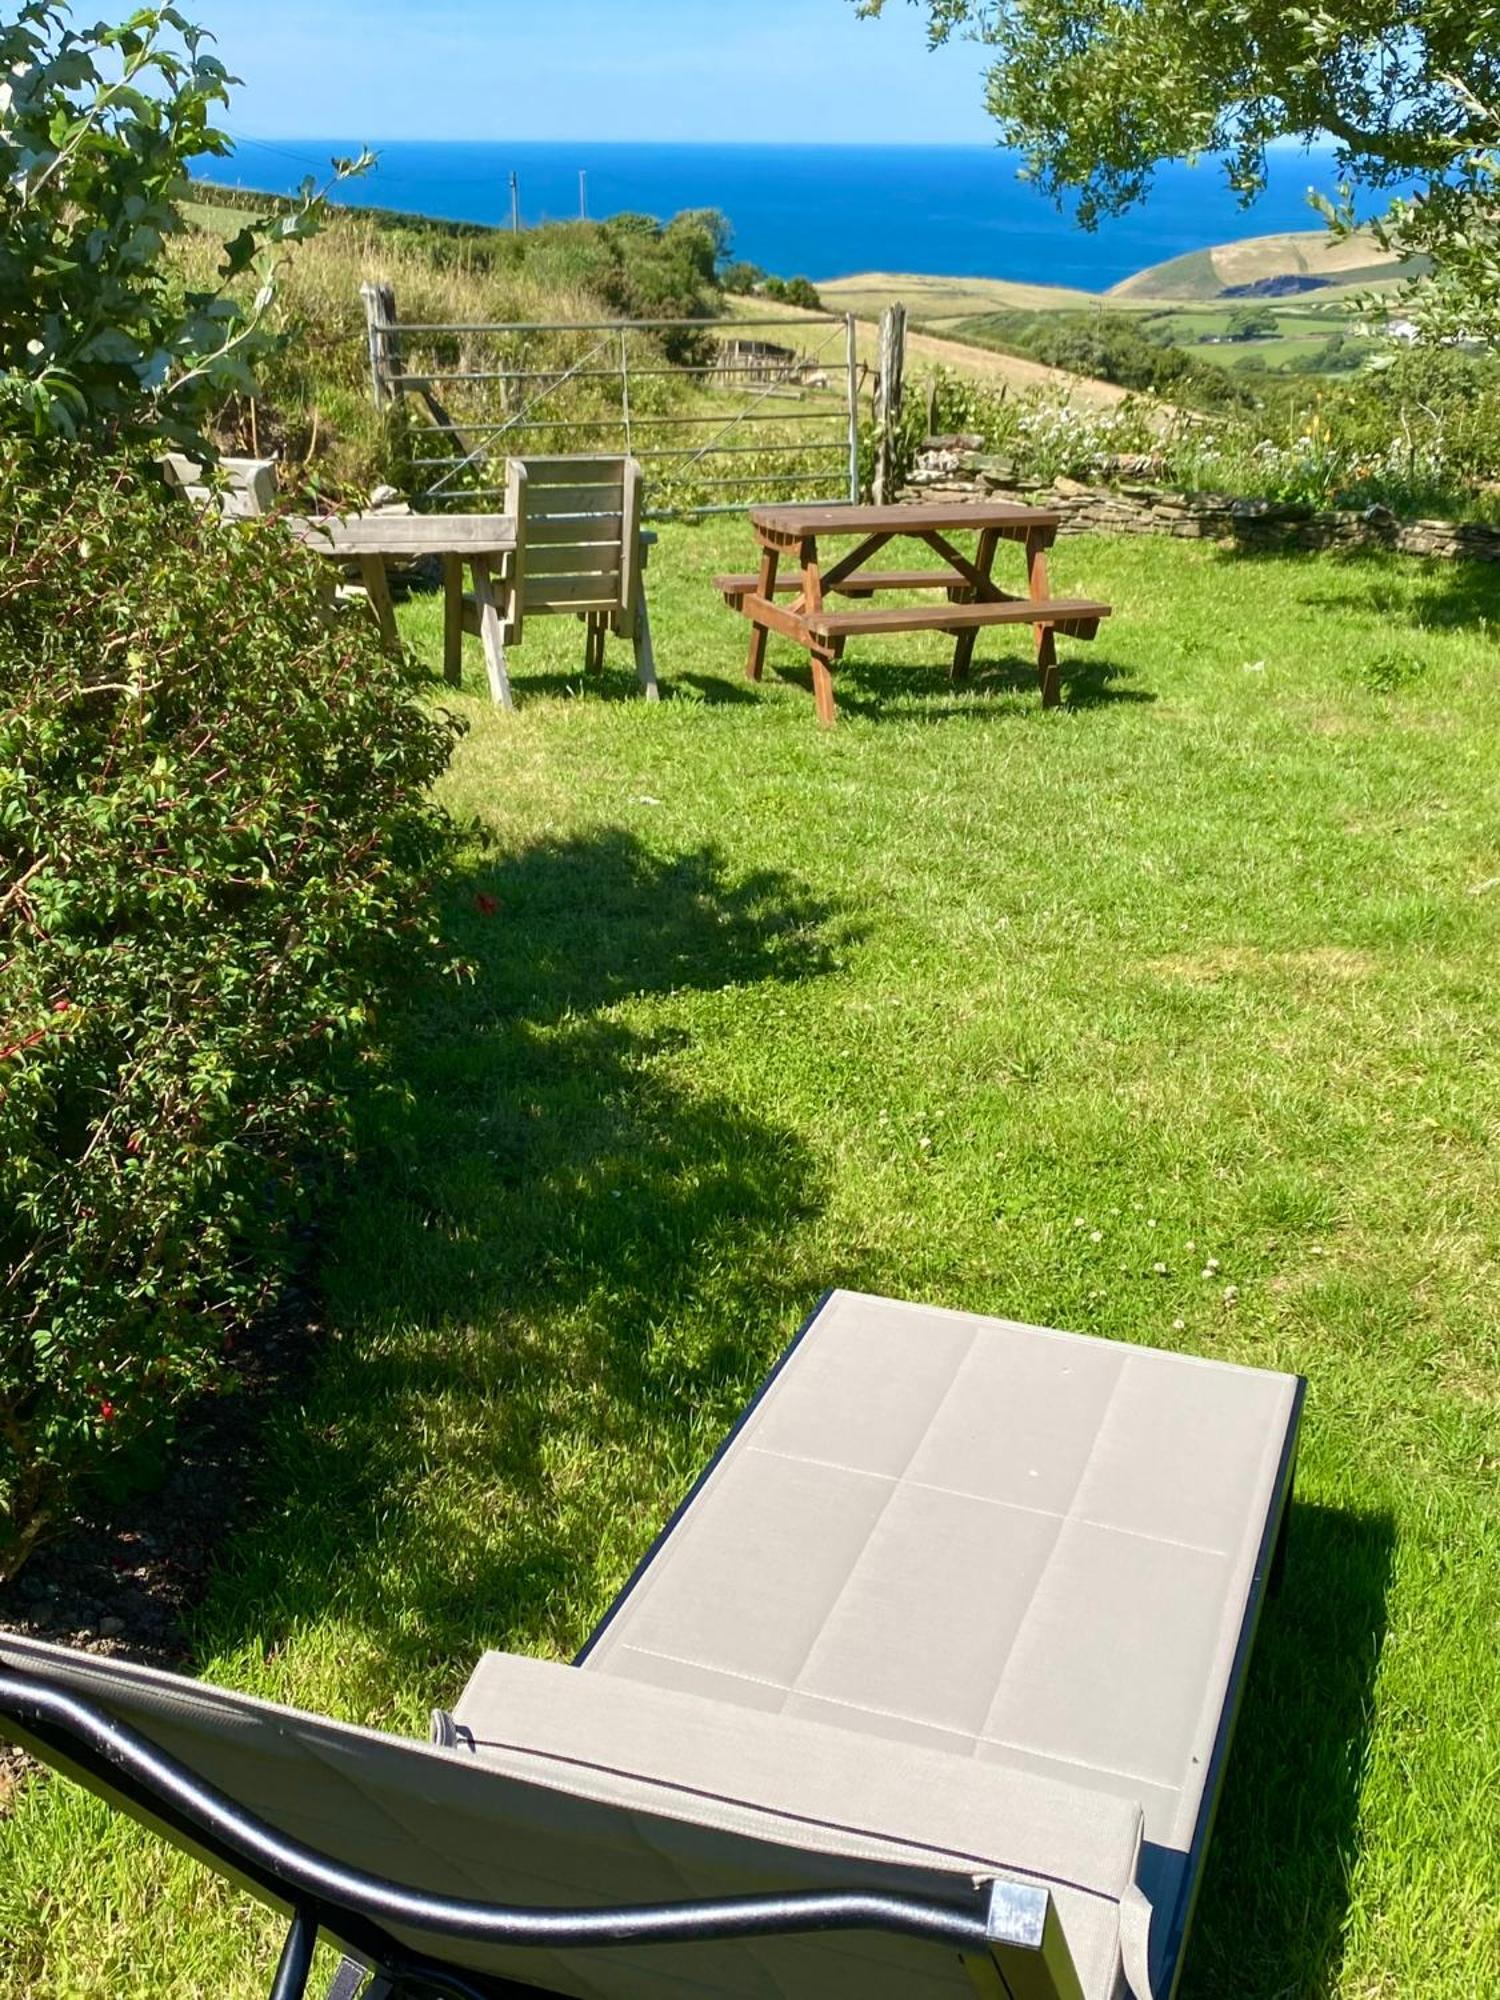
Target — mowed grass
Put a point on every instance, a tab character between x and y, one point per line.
1024	1013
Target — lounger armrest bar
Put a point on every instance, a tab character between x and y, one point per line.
126	1763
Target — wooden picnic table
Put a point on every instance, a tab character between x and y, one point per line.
482	541
973	598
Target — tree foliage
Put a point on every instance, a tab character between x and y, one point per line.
98	335
1097	93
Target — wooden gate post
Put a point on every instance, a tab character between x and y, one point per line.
888	403
385	351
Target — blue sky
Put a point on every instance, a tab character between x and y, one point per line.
593	69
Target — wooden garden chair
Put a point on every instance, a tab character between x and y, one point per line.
925	1690
580	549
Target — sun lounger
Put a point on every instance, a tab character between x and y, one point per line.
925	1690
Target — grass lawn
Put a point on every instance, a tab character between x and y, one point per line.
1027	1013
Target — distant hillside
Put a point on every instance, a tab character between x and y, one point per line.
932	299
1328	262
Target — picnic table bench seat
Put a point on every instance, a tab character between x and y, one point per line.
926	1689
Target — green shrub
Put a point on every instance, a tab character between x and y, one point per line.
215	835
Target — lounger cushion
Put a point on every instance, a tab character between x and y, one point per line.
1030	1549
794	1784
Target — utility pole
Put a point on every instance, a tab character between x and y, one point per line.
583	196
515	203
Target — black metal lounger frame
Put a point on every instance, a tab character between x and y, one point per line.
359	1911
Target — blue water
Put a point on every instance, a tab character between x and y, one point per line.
821	211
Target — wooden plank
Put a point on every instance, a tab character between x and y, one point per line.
515	503
1062	612
855	559
630	554
406	534
378	590
862	584
544	593
763	613
756	659
984	562
578	502
490	636
581	468
587	528
1046	640
584	559
453	620
793	522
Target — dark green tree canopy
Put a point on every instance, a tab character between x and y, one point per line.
1097	93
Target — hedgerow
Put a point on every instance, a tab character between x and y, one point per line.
216	835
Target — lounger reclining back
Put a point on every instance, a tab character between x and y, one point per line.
958	1616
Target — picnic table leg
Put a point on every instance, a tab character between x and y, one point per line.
1037	544
453	620
823	654
378	590
490	635
963	645
766	588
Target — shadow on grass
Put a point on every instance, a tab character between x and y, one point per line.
561	1278
1275	1893
1436	595
898	691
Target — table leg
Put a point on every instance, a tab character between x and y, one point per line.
766	588
453	620
963	645
821	655
378	590
490	635
1037	544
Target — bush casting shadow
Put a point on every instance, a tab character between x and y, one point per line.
561	1279
1276	1888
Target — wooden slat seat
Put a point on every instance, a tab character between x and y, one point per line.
864	583
1079	616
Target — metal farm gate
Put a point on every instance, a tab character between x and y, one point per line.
720	414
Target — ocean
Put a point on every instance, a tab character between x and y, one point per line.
816	211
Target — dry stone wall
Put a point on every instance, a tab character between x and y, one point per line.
956	468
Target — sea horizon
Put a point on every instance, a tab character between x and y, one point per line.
820	209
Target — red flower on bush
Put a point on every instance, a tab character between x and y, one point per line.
107	1411
486	905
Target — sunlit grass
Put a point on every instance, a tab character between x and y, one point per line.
961	1002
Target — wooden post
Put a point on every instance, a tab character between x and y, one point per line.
385	352
453	620
888	403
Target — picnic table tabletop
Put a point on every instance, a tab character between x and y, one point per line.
918	517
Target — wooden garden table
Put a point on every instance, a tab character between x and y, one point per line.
973	598
482	541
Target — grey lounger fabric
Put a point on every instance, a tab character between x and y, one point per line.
1023	1547
958	1599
